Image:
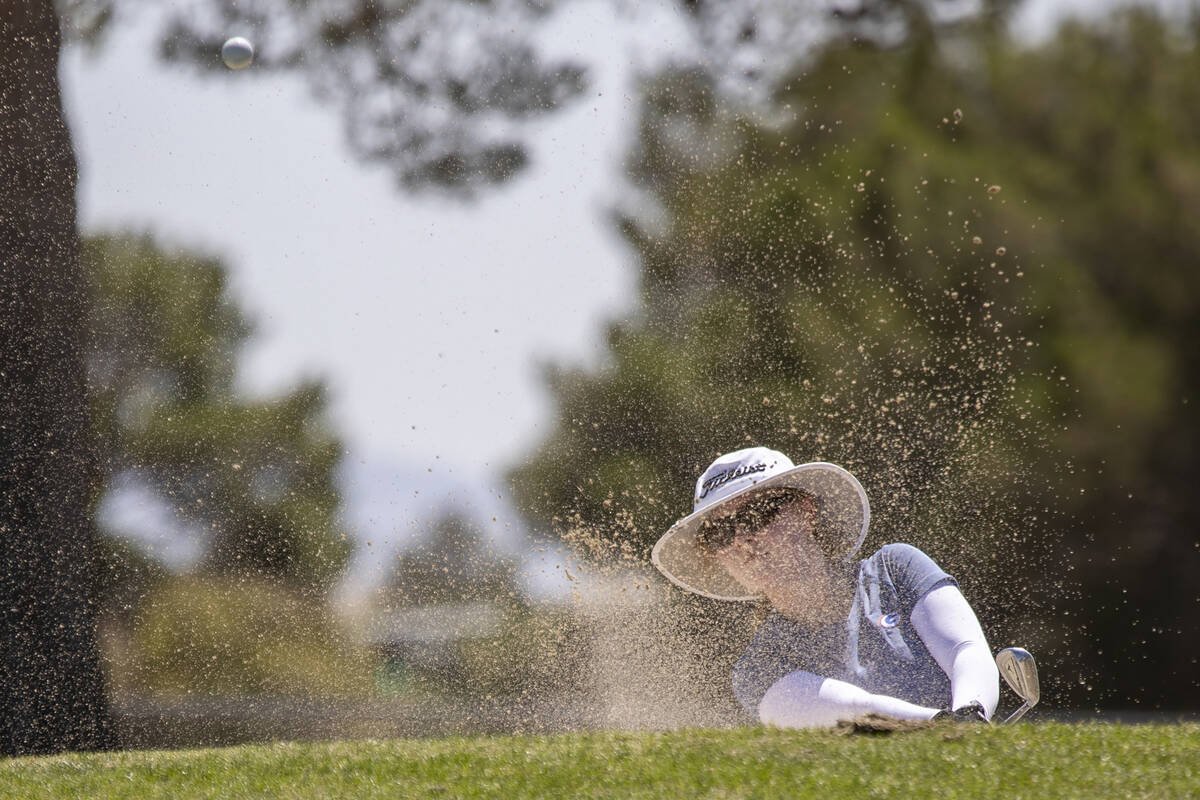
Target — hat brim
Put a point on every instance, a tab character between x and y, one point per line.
843	517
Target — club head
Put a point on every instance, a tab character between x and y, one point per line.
1020	673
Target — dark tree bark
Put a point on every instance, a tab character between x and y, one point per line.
52	694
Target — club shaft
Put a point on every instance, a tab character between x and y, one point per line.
1016	715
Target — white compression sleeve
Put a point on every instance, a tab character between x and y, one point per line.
803	700
945	622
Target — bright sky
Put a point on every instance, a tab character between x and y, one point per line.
426	317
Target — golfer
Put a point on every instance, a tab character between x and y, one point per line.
890	634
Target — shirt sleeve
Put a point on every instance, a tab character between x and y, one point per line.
948	627
913	573
803	700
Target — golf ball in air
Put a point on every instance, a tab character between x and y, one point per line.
237	53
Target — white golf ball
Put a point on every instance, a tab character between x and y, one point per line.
237	53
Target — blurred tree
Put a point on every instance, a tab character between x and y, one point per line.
1105	118
255	477
51	689
456	564
963	272
431	89
436	89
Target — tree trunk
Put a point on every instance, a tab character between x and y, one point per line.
52	694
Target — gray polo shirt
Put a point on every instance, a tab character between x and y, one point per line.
874	648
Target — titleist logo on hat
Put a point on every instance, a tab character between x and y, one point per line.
735	472
722	478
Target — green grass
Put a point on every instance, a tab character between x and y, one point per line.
1022	761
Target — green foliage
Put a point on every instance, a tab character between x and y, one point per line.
236	636
965	271
812	287
1052	760
255	476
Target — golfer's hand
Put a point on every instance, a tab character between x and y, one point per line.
971	712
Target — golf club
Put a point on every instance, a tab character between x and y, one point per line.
1020	673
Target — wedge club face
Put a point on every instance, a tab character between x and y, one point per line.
1020	673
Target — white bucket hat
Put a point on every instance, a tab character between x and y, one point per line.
842	508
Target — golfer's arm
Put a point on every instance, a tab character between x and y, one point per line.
945	622
804	700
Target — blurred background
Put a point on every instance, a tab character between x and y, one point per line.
347	393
